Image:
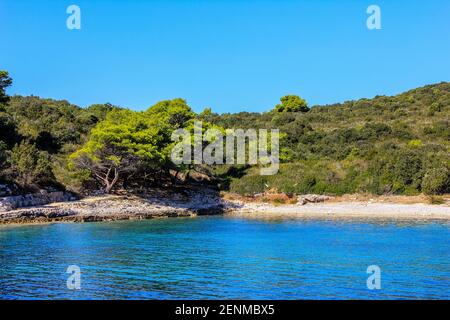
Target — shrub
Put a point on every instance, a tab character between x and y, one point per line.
408	168
436	181
436	200
249	185
415	143
435	107
30	167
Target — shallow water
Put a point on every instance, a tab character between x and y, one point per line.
222	257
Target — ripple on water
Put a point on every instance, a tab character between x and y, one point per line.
217	257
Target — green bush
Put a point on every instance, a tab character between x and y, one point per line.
29	166
249	185
436	181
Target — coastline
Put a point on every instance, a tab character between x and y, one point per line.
126	207
347	211
161	204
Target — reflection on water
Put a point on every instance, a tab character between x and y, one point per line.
219	257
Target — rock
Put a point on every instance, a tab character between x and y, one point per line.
5	190
35	199
312	198
160	203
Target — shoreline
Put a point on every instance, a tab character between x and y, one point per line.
347	211
106	208
115	207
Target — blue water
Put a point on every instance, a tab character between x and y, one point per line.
221	258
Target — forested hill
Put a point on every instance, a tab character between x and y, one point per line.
388	144
397	144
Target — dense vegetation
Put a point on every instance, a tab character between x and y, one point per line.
396	144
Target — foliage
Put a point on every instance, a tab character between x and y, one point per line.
436	181
380	145
29	166
292	103
5	81
398	144
127	142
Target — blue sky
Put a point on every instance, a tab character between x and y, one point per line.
228	55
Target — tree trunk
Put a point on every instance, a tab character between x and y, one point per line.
108	188
110	185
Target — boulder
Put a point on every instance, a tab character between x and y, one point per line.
35	199
312	198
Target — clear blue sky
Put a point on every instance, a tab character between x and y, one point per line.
228	55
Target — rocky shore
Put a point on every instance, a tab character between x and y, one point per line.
192	203
120	207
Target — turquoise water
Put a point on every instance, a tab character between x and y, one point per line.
221	258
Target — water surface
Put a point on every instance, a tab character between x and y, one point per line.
225	258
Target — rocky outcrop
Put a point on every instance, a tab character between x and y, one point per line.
35	199
88	213
312	198
114	207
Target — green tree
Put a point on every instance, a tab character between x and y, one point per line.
95	113
127	142
3	156
5	81
171	114
30	167
436	181
292	103
116	146
8	132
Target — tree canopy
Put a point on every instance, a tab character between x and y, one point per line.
292	103
5	82
128	141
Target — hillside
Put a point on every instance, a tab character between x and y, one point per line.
384	145
397	144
